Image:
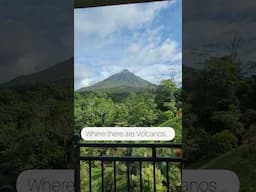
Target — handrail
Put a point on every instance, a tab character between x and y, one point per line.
140	145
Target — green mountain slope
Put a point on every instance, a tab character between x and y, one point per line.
241	161
120	82
60	73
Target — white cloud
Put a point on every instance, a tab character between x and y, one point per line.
104	21
85	83
83	75
152	57
111	39
148	57
154	52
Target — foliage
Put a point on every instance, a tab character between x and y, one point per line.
218	109
36	129
161	108
224	141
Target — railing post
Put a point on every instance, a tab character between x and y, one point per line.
167	176
154	166
141	184
77	162
128	176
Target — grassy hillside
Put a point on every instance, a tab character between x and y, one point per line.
242	162
175	123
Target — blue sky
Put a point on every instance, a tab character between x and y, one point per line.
143	38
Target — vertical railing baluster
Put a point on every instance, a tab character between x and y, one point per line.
141	188
167	176
154	166
181	167
102	176
114	176
90	176
77	161
128	176
154	172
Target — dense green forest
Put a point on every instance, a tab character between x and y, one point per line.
219	118
36	129
36	122
160	107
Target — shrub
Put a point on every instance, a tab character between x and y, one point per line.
224	141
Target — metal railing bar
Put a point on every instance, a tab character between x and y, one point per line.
102	176
154	159
167	176
128	176
141	187
77	168
90	176
154	166
154	175
141	145
114	176
147	159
